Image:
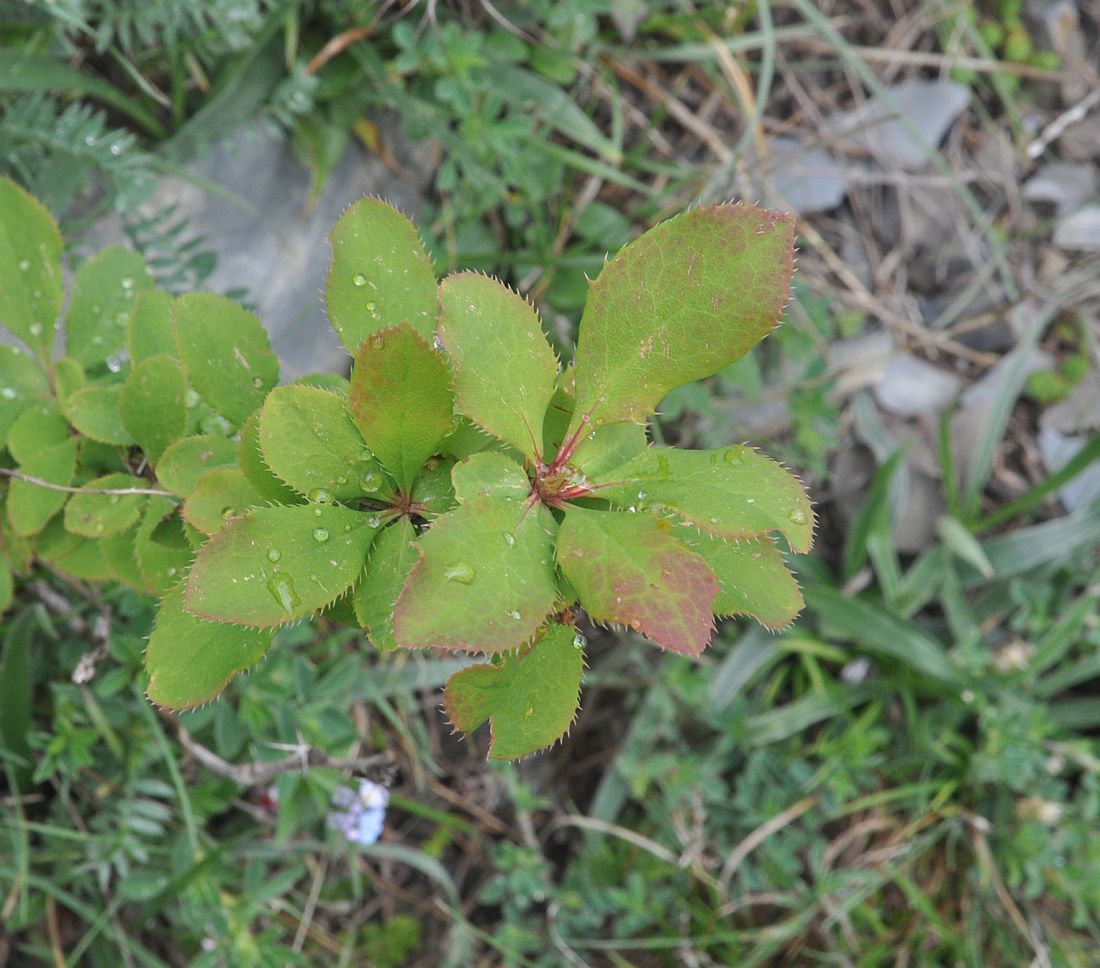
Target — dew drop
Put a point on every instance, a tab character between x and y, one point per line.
257	383
460	572
36	329
317	512
341	481
113	499
641	495
359	279
374	521
377	341
713	520
227	513
509	539
437	342
9	393
579	641
282	590
25	264
632	509
515	615
320	534
190	399
797	516
319	496
369	482
529	712
127	284
171	571
274	555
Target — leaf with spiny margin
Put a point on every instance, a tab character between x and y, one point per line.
182	464
381	276
100	515
392	557
485	579
505	370
733	492
308	439
608	447
489	474
30	269
220	494
94	411
254	468
161	548
467	438
118	553
531	697
104	291
149	331
628	568
332	382
152	404
38	427
677	304
22	383
68	377
752	577
226	353
30	506
190	661
318	551
401	400
432	493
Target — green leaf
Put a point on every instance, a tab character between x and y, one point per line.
190	661
94	411
531	698
118	553
149	332
7	586
22	382
219	495
103	301
37	427
254	468
152	404
68	377
16	693
752	578
733	492
681	302
432	493
278	564
161	547
381	276
30	269
485	580
99	515
604	450
30	506
505	370
308	439
627	568
182	464
226	353
489	473
392	557
84	563
401	400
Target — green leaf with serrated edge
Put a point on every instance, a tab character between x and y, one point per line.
22	382
30	506
489	474
681	302
182	464
118	553
465	439
628	568
226	353
504	369
190	661
432	493
752	578
160	546
392	557
555	425
733	492
485	578
37	427
149	330
94	411
103	299
151	405
7	586
278	564
308	440
99	515
68	377
30	269
608	447
332	382
84	563
401	400
219	495
55	540
252	465
531	698
380	276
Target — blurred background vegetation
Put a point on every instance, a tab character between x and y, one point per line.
909	776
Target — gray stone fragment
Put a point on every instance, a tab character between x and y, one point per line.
1079	230
801	178
911	387
1062	184
1057	450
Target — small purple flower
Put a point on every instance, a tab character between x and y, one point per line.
361	812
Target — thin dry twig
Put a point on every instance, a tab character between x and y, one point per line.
757	837
51	486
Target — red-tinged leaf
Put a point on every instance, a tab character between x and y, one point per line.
628	568
530	697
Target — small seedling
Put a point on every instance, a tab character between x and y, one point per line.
463	490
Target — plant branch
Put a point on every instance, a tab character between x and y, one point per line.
49	485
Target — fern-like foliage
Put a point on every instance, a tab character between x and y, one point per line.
176	257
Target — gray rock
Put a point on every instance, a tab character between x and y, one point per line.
801	178
1080	230
911	387
1062	184
1057	450
929	107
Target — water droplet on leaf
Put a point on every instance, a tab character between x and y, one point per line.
257	383
797	516
274	555
320	534
24	264
509	539
359	279
319	496
374	521
579	641
515	615
460	572
282	590
529	712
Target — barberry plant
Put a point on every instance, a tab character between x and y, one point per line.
462	490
